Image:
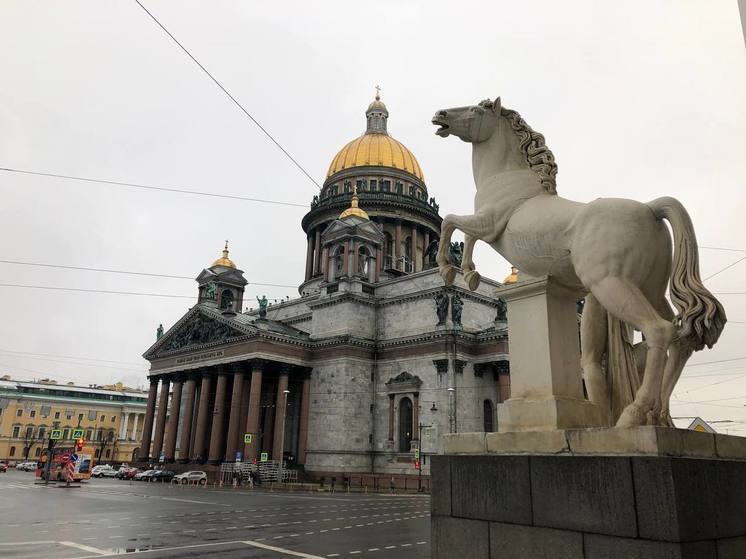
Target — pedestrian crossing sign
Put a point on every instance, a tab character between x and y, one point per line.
264	457
247	438
55	434
77	433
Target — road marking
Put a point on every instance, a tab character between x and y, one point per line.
26	543
82	547
282	550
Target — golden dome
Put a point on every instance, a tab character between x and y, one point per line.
224	260
513	277
354	209
376	150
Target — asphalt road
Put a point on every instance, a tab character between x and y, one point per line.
107	517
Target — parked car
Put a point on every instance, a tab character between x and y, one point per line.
26	466
194	476
163	475
3	467
130	473
103	470
123	471
144	476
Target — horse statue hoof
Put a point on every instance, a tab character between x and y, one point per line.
632	416
448	273
472	279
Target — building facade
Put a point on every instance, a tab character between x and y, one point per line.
372	362
112	418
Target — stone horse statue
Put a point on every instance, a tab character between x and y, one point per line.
614	252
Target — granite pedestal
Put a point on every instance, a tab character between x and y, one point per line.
647	492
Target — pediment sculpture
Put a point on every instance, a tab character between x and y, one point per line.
201	330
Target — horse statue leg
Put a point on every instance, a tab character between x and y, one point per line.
625	301
678	355
471	276
593	332
478	226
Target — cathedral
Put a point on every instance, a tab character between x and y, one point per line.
360	373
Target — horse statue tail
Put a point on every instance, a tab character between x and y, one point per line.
701	316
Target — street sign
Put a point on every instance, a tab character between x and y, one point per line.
74	457
238	456
264	457
77	433
55	434
247	438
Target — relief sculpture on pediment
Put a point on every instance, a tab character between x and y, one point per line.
201	330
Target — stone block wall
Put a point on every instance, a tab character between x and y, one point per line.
588	507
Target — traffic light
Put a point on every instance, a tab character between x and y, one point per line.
79	444
417	465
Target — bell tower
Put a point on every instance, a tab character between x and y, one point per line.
221	286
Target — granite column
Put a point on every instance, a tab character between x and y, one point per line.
203	410
280	411
251	450
173	421
218	417
148	424
186	421
160	421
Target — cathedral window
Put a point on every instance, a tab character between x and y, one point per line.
226	300
338	262
373	185
489	417
363	263
386	186
347	188
412	191
405	425
388	257
335	190
408	260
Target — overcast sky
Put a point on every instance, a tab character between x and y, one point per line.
637	99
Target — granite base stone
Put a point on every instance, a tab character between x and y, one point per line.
588	507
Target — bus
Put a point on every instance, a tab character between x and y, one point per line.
60	455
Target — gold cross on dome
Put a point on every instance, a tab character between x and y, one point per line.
378	92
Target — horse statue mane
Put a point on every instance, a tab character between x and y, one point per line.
539	157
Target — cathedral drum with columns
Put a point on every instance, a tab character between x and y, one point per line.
372	362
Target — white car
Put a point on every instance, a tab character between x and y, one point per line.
194	476
103	470
26	466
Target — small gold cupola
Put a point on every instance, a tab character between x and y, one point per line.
513	277
354	209
224	260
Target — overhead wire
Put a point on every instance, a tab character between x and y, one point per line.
231	97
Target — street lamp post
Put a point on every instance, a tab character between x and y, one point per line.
282	432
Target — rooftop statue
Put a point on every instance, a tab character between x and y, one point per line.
616	253
263	303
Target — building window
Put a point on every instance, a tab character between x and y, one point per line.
399	187
66	434
411	191
29	432
226	302
88	434
373	185
56	415
97	453
12	451
489	417
363	263
38	452
408	262
405	424
19	413
108	453
16	431
388	257
42	432
80	417
386	186
113	418
32	413
335	190
339	262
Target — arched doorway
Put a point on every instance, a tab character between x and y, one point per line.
405	424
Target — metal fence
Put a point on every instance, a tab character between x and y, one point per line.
248	473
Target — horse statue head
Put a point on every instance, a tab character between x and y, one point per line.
473	123
502	141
